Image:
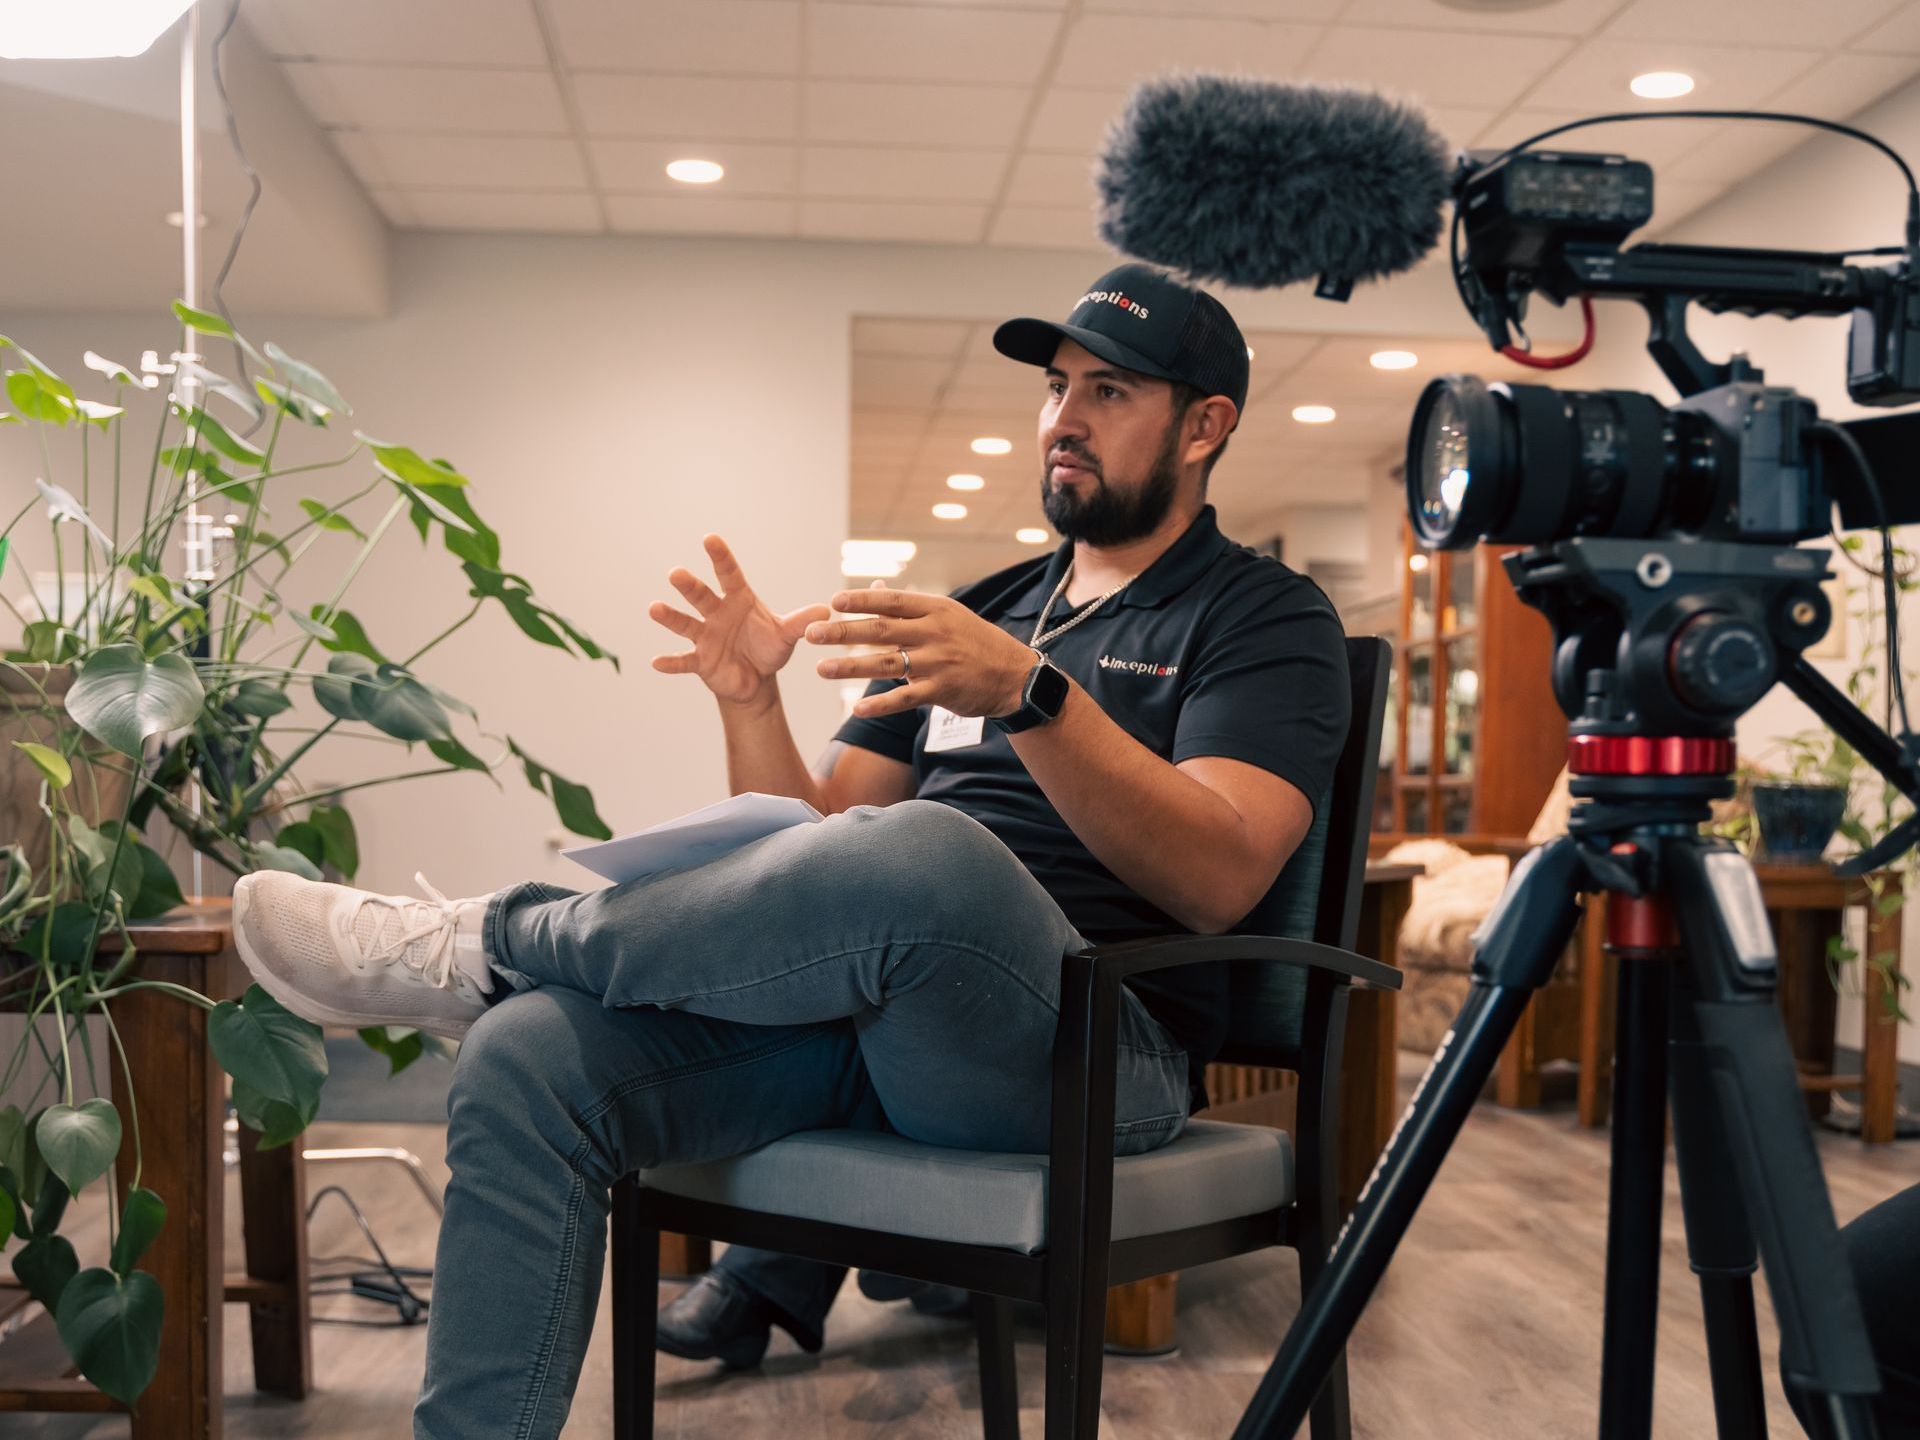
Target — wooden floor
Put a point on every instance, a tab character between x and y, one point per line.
1486	1326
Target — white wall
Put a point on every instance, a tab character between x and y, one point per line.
611	400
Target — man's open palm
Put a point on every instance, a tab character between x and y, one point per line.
738	643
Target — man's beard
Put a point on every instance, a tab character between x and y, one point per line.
1108	517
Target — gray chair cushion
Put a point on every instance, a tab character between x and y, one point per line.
876	1181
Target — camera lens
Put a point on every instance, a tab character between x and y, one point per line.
1527	463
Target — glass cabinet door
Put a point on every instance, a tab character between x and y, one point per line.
1463	707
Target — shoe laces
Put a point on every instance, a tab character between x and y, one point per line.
436	924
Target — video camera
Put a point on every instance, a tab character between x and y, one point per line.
1736	459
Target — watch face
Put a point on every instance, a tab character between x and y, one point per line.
1048	691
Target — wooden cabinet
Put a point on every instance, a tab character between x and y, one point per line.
1474	738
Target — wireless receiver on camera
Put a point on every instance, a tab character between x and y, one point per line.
1664	553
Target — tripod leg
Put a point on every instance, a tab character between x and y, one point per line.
1635	1191
1514	956
1730	975
1719	1239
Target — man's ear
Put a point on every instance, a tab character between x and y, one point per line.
1209	422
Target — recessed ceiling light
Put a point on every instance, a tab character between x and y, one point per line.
695	172
1661	85
992	445
1313	414
85	32
1031	535
876	559
966	482
949	510
1393	359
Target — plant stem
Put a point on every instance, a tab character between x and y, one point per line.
313	795
166	987
443	634
133	1101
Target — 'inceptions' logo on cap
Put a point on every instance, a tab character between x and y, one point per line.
1113	297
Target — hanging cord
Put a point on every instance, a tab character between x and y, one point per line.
1896	681
380	1280
246	211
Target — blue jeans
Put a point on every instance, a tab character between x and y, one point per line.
891	968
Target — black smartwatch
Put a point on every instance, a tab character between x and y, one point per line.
1040	699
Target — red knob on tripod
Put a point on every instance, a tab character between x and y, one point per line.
1650	755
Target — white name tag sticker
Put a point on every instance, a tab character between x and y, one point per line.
948	731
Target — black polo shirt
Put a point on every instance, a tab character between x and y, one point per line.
1213	650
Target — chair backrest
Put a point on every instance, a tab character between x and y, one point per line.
1317	896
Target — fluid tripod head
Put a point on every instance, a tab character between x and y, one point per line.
1664	538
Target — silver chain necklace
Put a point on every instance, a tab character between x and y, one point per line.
1040	639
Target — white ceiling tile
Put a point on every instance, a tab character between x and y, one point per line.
1676	200
466	161
994	400
723	37
1439	68
1047	227
1749	22
502	210
1898	34
1308	10
927	42
897	381
1559	17
861	172
395	205
1055	180
1595	76
1075	121
437	32
1458	124
1732	152
363	158
861	112
937	339
687	107
1132	48
862	220
387	97
1841	86
641	165
699	215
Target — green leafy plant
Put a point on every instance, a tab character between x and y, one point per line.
166	697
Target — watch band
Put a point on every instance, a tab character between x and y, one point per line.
1041	699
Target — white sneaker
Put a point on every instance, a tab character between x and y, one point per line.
339	956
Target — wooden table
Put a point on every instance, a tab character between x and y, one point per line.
182	1099
1806	904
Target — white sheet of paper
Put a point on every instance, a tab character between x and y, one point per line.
948	731
693	839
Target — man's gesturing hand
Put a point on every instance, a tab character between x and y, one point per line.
738	643
969	665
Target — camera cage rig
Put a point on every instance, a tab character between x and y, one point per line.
1679	635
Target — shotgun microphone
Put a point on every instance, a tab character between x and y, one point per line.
1255	183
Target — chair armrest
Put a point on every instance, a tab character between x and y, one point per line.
1160	952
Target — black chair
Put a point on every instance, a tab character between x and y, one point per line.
1061	1228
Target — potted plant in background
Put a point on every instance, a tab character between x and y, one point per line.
164	697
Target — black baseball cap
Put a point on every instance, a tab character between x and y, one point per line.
1141	318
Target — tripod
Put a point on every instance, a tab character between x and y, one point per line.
1696	1020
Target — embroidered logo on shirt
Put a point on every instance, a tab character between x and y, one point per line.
1137	667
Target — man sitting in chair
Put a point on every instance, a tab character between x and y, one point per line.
1125	739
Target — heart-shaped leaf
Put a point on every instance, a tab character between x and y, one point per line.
401	706
50	763
399	462
111	1329
36	399
210	433
401	1047
113	370
13	1138
120	697
108	866
258	698
258	1040
341	846
572	802
452	752
159	887
303	409
284	857
46	1266
308	381
349	634
141	1216
9	1212
330	519
346	673
79	1142
277	1122
71	925
302	837
62	506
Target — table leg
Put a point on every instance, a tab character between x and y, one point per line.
1140	1316
273	1209
172	1076
684	1256
1879	1044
